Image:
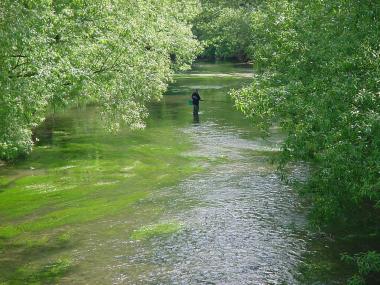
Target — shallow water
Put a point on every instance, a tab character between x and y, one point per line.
186	201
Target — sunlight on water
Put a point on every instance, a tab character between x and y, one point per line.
247	227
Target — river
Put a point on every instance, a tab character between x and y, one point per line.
184	201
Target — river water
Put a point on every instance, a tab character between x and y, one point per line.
185	201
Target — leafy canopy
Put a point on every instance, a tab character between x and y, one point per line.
119	54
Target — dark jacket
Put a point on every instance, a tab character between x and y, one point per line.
196	98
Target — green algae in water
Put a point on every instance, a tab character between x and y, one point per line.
79	181
44	274
162	229
92	186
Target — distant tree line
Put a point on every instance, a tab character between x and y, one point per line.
224	28
317	74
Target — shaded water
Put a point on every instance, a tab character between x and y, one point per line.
186	201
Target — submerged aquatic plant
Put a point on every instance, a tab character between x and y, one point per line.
44	274
151	231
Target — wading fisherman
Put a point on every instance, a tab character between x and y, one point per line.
196	98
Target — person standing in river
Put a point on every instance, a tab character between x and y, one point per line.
196	98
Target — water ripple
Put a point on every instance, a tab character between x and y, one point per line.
247	228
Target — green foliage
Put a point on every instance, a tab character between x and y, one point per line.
318	75
366	264
119	54
224	28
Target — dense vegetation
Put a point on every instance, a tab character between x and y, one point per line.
224	28
318	75
119	54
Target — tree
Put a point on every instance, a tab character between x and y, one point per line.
119	54
224	28
318	71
